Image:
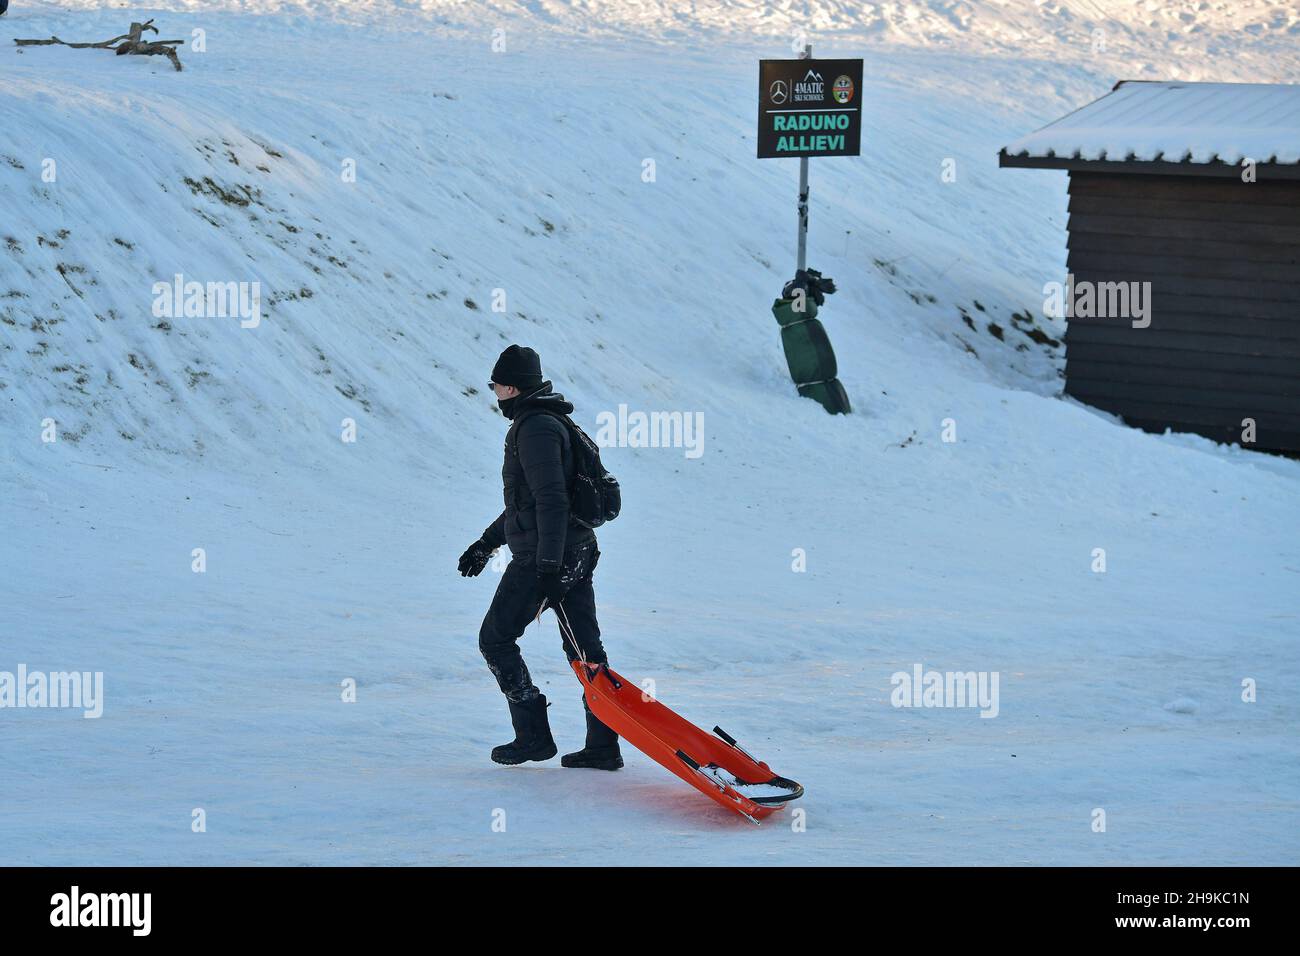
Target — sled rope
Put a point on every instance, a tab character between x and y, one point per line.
567	630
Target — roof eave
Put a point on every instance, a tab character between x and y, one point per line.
1263	171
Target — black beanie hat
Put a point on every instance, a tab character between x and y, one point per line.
518	366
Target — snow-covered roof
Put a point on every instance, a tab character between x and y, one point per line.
1174	122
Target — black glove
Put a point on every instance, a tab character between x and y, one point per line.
552	587
475	559
813	283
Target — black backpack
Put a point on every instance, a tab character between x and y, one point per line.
594	496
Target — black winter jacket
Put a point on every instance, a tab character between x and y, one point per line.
536	477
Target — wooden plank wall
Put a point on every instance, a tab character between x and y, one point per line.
1223	258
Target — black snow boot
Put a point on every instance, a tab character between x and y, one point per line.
601	752
533	739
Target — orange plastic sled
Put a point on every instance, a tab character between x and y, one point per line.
715	766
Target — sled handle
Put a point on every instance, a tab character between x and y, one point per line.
687	759
694	765
732	742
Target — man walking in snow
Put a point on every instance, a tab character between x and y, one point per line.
551	563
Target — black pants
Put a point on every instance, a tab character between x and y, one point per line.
515	605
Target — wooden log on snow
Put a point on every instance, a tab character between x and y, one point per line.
132	43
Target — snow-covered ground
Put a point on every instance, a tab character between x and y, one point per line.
521	170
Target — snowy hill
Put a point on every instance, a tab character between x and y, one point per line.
516	179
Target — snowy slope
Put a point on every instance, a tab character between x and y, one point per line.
522	171
1150	34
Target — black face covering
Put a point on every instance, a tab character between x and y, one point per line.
509	405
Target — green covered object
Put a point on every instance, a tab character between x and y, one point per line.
830	393
809	355
785	313
808	352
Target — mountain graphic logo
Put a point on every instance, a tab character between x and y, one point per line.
810	89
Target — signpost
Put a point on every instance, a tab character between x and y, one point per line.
809	108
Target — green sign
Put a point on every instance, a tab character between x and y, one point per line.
809	108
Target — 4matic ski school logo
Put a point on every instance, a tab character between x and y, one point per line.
812	88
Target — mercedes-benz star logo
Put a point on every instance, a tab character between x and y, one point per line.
779	92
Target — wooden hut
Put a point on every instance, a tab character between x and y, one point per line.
1193	188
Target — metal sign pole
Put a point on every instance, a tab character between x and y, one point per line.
808	108
803	193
